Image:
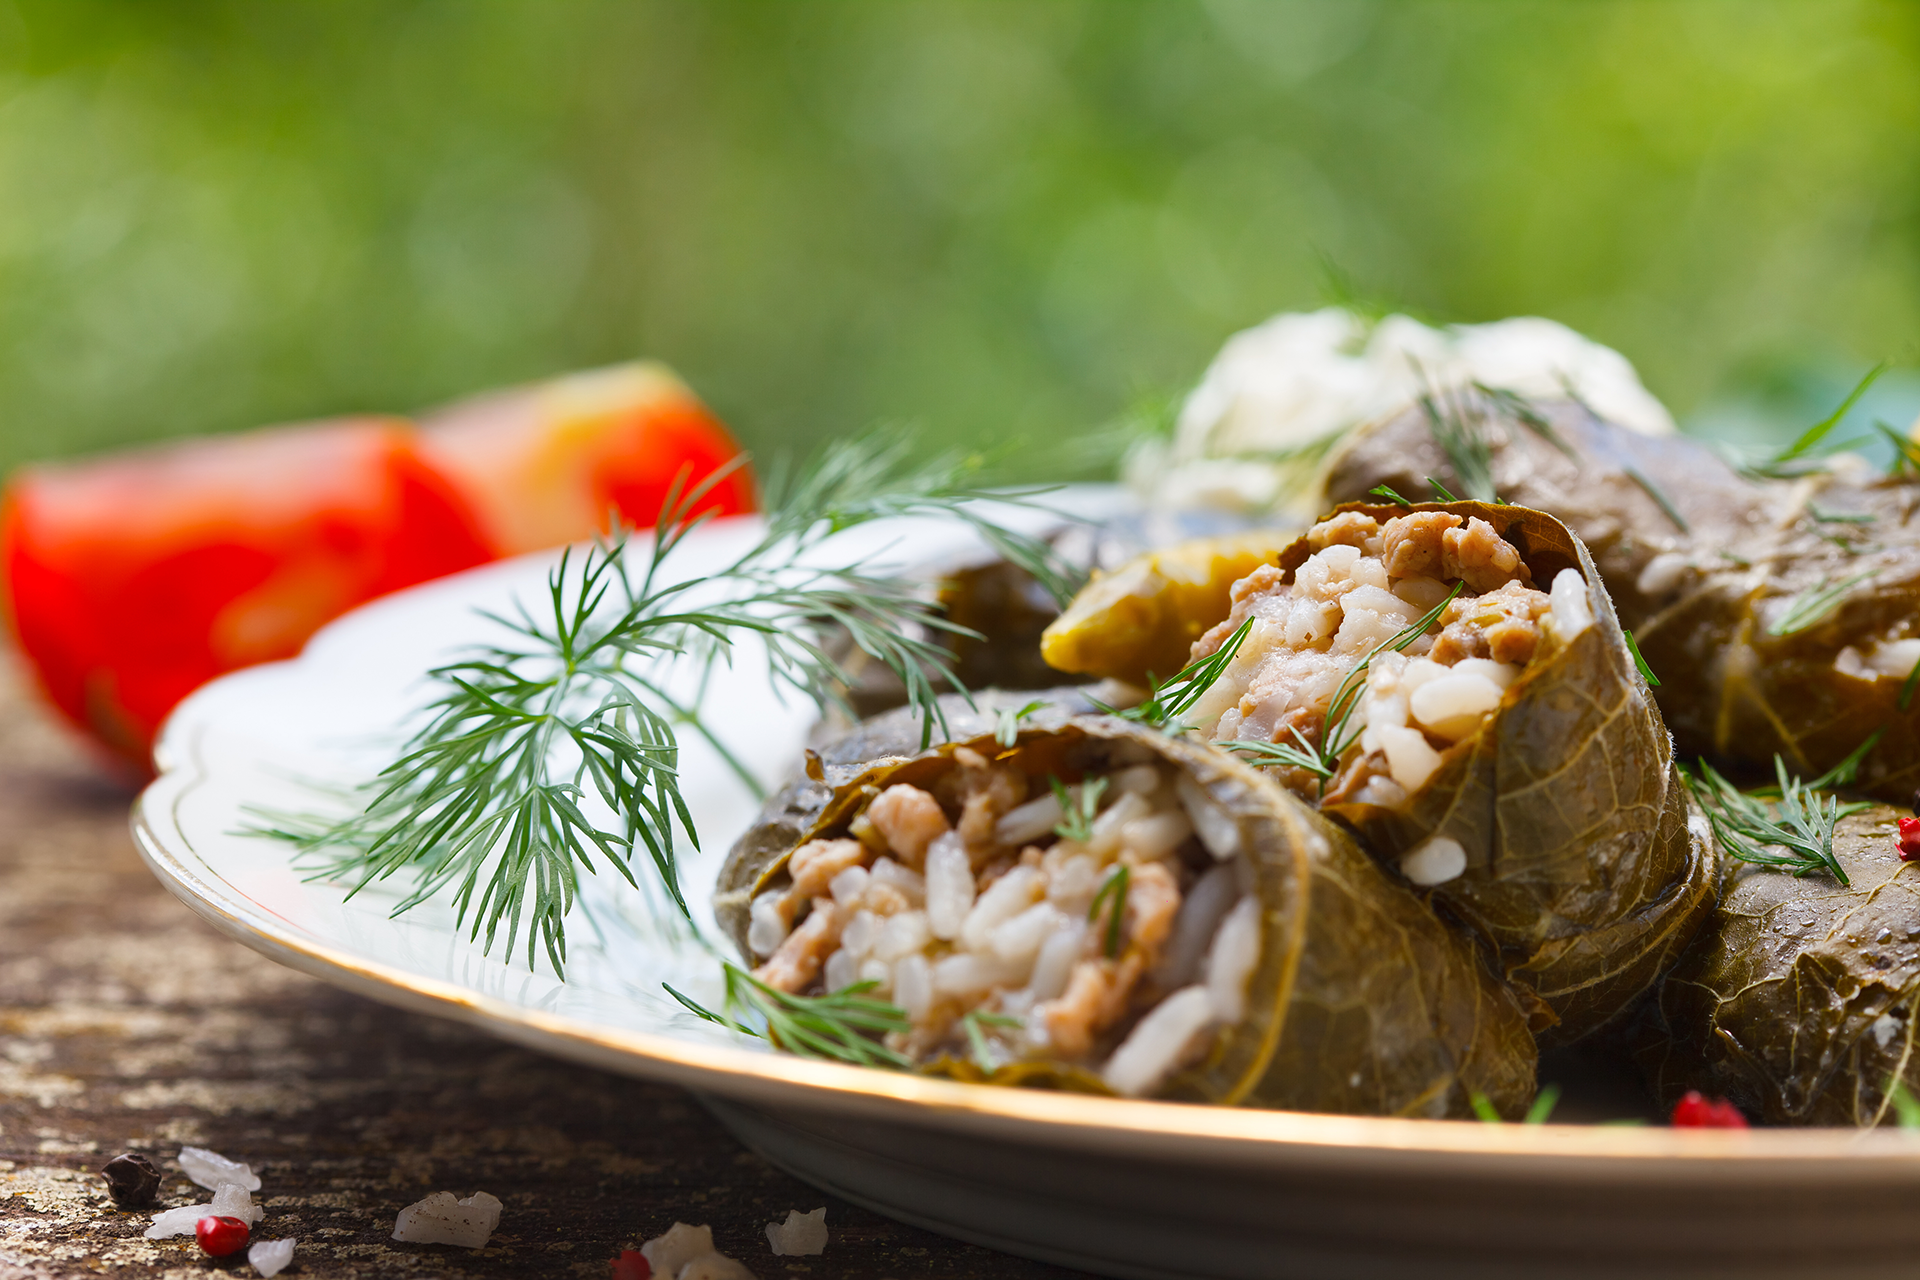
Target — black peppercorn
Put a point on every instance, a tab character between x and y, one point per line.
132	1180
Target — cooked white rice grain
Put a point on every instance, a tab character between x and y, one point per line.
1570	605
1156	835
1434	861
1230	962
1054	963
949	886
1205	905
1158	1042
1004	899
913	986
1215	829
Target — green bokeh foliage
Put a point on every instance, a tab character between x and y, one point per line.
1004	220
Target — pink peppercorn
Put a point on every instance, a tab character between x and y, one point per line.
220	1236
632	1265
1697	1111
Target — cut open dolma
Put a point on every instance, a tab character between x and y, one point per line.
1781	614
1800	999
1103	907
1508	758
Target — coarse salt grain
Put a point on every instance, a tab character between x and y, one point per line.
229	1201
441	1219
210	1169
270	1257
686	1253
800	1235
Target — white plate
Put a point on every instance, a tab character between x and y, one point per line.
1117	1187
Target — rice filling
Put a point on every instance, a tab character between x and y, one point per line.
1110	932
1364	586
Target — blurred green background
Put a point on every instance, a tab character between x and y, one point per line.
1002	220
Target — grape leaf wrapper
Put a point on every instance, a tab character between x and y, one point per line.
1798	1001
1742	590
1363	1000
1581	875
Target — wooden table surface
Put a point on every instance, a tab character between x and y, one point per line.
126	1024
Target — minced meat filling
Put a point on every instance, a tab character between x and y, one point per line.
967	906
1362	586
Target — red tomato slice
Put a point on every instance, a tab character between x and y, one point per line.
133	580
544	464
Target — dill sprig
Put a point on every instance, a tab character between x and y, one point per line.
1794	834
1298	754
1821	515
1346	696
1523	411
1006	722
1810	607
1168	702
1659	497
1077	811
1440	491
489	798
1453	428
1114	888
1801	456
1906	453
974	1022
1543	1104
841	1025
1387	491
1336	738
1646	672
1906	1108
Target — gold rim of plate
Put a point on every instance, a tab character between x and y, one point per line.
1094	1124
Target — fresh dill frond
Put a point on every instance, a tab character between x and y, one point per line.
1799	457
1453	427
1115	888
1659	496
1847	772
1543	1104
1646	672
1483	1108
1906	1108
1822	516
1386	491
1298	754
1522	410
974	1022
1440	491
1810	607
1795	834
1735	558
1006	722
1078	810
490	797
1168	702
841	1026
1334	738
1906	453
